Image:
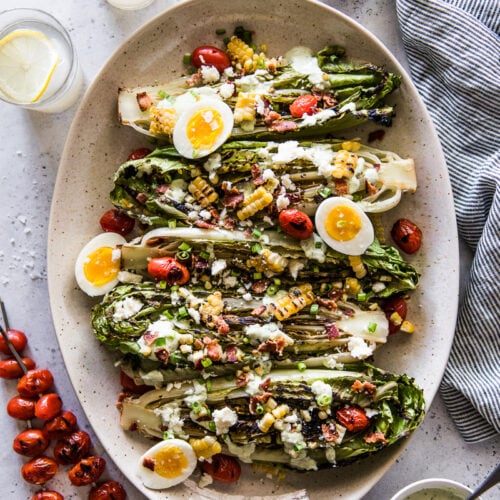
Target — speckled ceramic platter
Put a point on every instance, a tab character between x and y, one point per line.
97	144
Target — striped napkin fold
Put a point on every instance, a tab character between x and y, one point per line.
453	49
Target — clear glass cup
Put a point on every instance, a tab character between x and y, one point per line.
130	4
66	82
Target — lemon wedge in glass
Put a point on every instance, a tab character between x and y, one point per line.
28	60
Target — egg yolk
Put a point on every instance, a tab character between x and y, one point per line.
100	268
343	223
204	128
170	462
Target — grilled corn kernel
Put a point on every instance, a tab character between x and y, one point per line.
266	422
407	327
352	286
357	266
395	318
203	192
258	200
296	299
162	121
351	145
344	164
271	404
205	447
281	411
245	107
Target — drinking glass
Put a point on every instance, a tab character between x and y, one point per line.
130	4
60	85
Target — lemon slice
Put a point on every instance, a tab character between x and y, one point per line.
27	62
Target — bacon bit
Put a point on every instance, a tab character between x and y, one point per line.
376	135
330	432
328	303
232	200
162	189
375	437
149	463
198	344
273	345
282	126
341	187
260	286
335	294
229	223
228	188
205	225
142	198
149	337
259	311
213	350
264	385
198	263
260	399
242	379
367	387
376	166
222	327
163	355
195	79
258	180
332	331
232	354
370	188
271	117
294	197
144	101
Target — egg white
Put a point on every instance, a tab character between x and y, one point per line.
101	240
180	137
155	481
359	243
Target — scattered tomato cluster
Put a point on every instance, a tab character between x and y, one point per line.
36	402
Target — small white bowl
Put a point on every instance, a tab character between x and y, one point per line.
450	490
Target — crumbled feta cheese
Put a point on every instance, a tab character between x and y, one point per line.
314	248
378	287
359	348
370	412
170	416
205	214
197	394
224	419
126	308
205	480
282	202
209	74
320	117
128	277
288	183
321	389
226	90
116	254
218	266
294	266
247	296
194	314
268	174
230	281
268	331
193	215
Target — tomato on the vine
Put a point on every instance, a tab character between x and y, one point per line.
18	340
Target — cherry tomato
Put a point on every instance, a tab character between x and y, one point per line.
115	221
39	470
304	105
395	305
110	490
129	384
30	443
21	407
60	426
406	235
48	406
222	468
35	382
87	471
353	418
47	495
72	448
139	153
18	340
207	55
168	269
296	224
10	369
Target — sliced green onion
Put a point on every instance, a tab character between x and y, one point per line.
325	192
256	248
162	94
316	269
256	233
162	285
362	296
184	255
174	288
182	312
257	276
372	327
324	400
167	435
160	342
299	446
341	223
235	273
314	309
196	407
277	281
168	314
220	31
301	366
184	247
206	362
172	223
186	59
272	289
259	410
318	244
205	255
208	385
211	426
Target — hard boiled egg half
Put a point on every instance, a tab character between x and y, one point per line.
344	226
166	464
202	128
98	264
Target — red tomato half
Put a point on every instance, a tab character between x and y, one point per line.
139	153
296	224
206	55
222	468
304	105
115	221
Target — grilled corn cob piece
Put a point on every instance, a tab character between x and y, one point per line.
258	200
162	121
344	165
203	192
357	266
296	299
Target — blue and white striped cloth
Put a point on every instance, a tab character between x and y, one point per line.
453	49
